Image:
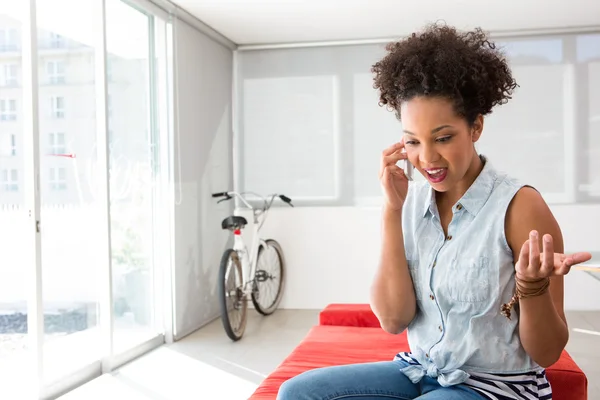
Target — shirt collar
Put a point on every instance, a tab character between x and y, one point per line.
475	197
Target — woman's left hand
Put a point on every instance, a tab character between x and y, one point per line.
533	266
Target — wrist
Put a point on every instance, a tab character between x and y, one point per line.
531	284
389	211
532	288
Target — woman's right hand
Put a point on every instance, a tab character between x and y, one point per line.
393	180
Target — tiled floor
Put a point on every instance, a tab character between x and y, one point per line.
207	365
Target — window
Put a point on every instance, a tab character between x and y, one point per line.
327	112
8	109
10	180
293	112
69	188
71	257
57	107
588	57
9	40
8	75
132	180
56	72
56	41
8	145
15	250
58	178
57	143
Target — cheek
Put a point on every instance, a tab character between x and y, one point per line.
413	157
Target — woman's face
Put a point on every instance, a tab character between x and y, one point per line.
439	143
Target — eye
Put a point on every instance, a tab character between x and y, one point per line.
444	138
410	142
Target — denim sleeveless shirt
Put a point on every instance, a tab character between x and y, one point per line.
461	280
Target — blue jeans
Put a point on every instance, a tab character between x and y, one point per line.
369	381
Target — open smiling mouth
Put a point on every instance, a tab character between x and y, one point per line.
436	175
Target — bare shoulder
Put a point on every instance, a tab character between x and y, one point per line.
528	211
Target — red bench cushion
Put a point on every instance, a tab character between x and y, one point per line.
348	315
325	346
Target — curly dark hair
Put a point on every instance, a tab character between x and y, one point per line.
464	67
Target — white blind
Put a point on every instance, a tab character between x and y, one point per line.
310	126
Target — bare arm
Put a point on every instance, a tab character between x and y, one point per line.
392	293
543	327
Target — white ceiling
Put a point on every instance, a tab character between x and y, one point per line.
286	21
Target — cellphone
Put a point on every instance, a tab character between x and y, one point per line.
408	170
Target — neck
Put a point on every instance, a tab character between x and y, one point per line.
453	195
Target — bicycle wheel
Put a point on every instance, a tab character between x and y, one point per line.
269	278
231	295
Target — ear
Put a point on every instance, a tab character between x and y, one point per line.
477	128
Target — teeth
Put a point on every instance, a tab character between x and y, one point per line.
435	171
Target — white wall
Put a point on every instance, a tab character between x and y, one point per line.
202	152
332	253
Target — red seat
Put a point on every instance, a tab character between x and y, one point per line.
350	333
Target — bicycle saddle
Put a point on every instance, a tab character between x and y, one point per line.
234	222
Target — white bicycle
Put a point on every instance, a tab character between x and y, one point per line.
258	273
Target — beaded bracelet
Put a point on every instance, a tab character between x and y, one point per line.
522	292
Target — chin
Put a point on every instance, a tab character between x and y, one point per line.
440	187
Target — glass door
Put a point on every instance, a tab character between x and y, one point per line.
16	365
71	266
80	183
133	151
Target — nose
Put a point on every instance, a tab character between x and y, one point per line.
428	155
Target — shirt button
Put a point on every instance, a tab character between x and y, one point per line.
459	207
449	237
440	328
434	263
427	355
431	297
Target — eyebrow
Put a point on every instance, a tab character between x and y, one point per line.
433	132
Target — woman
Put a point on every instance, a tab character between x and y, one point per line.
471	260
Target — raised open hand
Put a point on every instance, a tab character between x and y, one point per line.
533	266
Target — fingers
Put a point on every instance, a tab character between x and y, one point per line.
393	170
547	255
391	158
393	148
534	251
523	261
563	262
578	258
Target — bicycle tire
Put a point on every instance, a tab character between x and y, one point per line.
235	333
270	309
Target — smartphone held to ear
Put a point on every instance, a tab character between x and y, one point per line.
408	170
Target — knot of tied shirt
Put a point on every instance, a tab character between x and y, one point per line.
416	372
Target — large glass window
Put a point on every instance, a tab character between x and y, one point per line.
132	152
71	234
68	206
14	338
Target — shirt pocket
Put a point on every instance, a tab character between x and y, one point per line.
469	280
413	269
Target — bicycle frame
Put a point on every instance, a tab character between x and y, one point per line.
249	257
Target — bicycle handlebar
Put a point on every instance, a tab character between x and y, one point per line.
267	204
